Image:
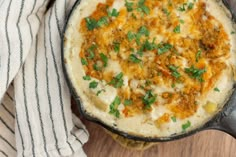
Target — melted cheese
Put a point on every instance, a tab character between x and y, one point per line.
204	41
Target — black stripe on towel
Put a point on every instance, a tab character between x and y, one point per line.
58	23
9	96
20	133
31	34
48	92
7	142
80	128
58	81
37	96
8	44
36	87
3	153
77	139
27	111
8	111
6	125
19	32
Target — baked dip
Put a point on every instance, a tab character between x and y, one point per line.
151	68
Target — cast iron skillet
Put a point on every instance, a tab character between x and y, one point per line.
224	120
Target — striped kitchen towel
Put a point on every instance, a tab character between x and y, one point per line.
35	115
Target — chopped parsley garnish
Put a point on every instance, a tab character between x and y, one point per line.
163	48
114	107
93	84
198	55
129	6
142	7
173	85
144	31
91	51
91	23
165	11
186	6
141	2
100	91
117	81
182	8
177	29
97	67
145	9
137	38
170	2
148	82
233	32
174	71
181	21
173	118
140	52
104	59
134	16
149	45
190	6
130	36
87	78
134	59
186	125
195	73
113	13
116	46
216	89
102	21
84	62
148	99
128	102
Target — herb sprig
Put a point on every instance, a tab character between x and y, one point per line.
177	29
148	99
142	7
114	107
133	58
90	51
113	13
198	55
92	23
163	48
129	6
174	71
186	125
195	73
104	59
117	81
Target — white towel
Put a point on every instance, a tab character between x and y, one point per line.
35	115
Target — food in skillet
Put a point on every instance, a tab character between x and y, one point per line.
152	67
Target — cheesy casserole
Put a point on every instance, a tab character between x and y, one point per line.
151	67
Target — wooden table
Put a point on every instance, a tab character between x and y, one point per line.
204	144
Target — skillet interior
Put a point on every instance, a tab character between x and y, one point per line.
115	130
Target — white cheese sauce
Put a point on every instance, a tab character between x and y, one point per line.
143	125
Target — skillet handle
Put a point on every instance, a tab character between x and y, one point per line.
231	5
228	124
226	121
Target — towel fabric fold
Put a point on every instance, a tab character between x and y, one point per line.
35	115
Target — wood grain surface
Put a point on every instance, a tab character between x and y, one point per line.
203	144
